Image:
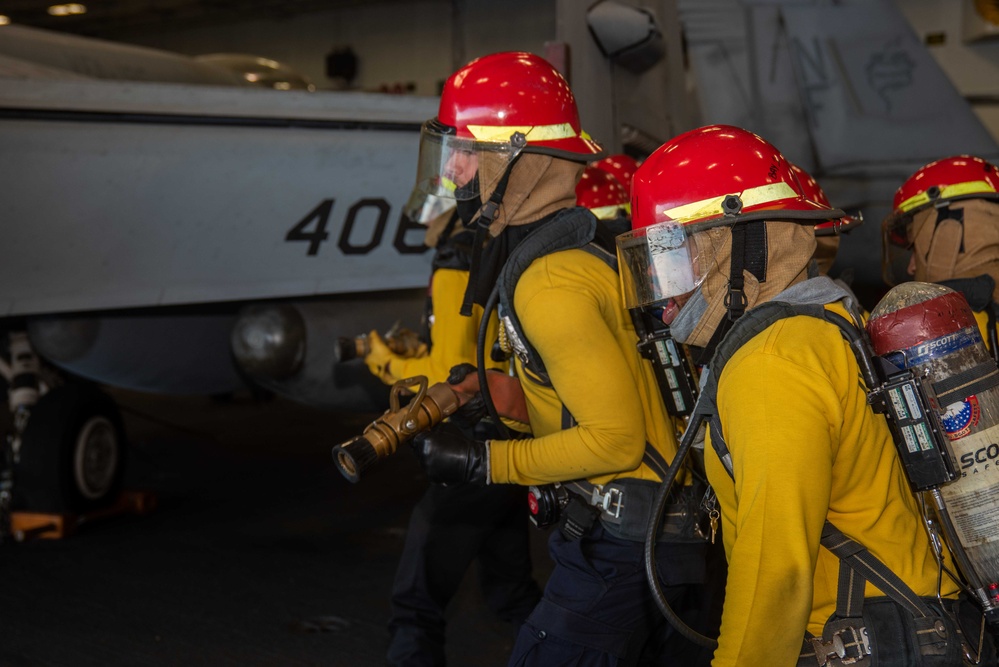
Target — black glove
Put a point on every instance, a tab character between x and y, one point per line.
473	411
448	456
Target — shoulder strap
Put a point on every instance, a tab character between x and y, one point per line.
978	293
570	229
858	565
750	325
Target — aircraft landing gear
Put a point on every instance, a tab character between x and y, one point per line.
67	443
6	485
72	452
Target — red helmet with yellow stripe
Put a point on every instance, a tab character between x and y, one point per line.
713	176
600	192
497	107
937	184
620	166
811	188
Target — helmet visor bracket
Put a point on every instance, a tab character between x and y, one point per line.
840	225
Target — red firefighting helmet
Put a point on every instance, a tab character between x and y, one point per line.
937	184
620	166
713	176
814	192
600	192
501	104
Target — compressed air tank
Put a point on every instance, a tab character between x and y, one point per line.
931	329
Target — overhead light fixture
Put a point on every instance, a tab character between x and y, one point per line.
68	9
628	36
4	20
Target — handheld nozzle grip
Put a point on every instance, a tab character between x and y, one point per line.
346	349
397	426
400	340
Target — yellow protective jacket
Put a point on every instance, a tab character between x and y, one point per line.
570	309
452	336
805	448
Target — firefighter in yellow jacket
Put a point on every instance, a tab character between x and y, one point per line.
720	230
598	424
452	525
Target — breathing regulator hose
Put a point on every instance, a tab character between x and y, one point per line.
651	533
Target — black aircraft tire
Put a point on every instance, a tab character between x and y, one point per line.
72	454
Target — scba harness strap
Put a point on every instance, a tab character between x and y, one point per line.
572	228
978	293
853	633
848	637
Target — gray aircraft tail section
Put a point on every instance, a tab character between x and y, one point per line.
840	89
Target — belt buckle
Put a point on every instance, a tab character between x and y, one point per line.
852	649
606	501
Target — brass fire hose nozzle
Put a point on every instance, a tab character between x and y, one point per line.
400	340
397	426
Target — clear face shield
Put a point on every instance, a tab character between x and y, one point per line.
658	263
447	165
424	208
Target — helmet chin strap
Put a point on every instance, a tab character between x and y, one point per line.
487	214
749	253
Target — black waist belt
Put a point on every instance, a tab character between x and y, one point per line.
850	641
888	631
626	505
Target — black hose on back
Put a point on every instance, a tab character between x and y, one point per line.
658	507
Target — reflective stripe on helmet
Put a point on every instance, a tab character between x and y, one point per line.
946	192
502	133
610	212
706	208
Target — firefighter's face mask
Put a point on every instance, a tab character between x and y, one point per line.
448	162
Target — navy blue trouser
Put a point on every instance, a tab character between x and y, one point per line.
450	527
598	610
